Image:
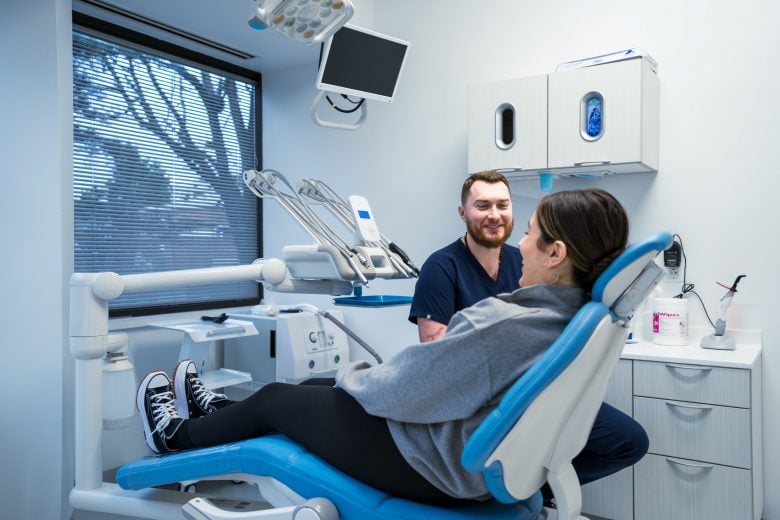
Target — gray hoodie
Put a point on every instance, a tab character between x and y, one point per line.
434	395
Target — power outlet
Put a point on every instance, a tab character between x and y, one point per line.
672	261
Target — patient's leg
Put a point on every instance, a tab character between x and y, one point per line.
616	441
327	421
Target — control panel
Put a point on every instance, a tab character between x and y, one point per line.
290	347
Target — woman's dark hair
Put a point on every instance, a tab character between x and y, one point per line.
592	224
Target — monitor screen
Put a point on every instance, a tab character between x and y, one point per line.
362	63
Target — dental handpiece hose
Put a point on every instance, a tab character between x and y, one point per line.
352	335
273	310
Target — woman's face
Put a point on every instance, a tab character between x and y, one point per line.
534	259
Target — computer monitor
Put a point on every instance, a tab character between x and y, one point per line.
362	63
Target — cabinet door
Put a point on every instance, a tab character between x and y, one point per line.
508	124
628	111
678	489
704	432
696	383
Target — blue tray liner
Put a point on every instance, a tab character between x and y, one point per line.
379	300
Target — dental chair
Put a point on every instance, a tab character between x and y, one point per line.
541	424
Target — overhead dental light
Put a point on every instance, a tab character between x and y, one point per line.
307	21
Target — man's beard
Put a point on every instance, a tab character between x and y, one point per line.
475	231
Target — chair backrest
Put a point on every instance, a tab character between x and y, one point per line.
544	419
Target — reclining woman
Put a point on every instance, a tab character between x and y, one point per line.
401	426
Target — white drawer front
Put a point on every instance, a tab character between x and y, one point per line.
677	489
717	434
698	383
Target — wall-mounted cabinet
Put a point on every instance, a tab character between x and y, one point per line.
600	119
508	124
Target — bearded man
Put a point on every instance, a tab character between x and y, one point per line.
475	266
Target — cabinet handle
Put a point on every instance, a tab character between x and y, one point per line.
224	332
592	163
696	406
690	464
688	367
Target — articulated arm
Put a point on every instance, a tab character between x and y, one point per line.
331	257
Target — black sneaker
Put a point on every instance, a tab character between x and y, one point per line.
156	404
193	399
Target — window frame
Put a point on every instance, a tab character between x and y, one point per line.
158	47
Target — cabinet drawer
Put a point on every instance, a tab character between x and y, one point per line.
702	432
677	489
698	383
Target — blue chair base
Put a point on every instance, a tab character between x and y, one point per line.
277	457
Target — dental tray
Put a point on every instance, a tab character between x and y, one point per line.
379	300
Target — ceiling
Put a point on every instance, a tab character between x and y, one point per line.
218	28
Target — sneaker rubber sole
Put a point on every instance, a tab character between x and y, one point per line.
140	402
180	388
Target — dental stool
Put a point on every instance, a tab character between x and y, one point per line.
540	425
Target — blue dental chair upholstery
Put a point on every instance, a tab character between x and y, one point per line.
540	425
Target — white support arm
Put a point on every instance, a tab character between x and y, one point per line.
315	116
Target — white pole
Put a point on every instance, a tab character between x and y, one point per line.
88	331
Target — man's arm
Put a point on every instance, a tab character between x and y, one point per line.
429	330
435	292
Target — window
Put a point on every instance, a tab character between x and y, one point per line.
159	148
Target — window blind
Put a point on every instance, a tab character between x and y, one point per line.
158	154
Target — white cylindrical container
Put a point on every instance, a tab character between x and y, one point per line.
670	321
119	384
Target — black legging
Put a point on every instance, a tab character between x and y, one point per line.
329	423
332	425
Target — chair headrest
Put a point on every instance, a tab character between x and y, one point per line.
631	276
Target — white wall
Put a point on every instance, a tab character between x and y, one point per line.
715	187
36	258
718	137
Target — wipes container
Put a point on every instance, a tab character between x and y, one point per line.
670	321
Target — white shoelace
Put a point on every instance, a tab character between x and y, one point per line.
163	410
203	395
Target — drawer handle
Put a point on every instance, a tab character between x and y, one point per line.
593	163
690	464
688	367
696	406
